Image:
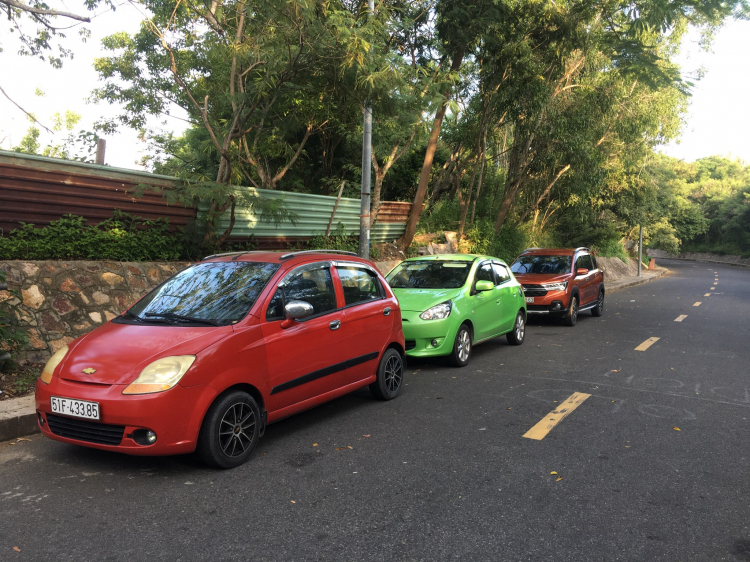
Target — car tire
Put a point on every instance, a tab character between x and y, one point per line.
462	345
230	430
572	316
390	376
517	334
598	310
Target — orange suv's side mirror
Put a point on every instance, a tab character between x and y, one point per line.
581	271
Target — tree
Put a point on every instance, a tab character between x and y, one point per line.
37	26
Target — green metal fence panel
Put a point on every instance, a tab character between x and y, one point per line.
314	212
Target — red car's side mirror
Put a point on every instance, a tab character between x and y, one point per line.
581	271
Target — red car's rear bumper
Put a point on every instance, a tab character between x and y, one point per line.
174	415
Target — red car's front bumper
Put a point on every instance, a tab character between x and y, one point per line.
174	415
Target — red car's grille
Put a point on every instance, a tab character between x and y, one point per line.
534	290
85	430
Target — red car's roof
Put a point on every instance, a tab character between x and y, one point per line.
285	257
550	251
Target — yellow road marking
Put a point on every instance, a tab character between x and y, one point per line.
548	423
716	282
648	343
707	295
680	318
697	304
713	288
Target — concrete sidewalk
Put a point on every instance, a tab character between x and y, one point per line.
18	416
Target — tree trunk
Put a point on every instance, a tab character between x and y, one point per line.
481	176
416	209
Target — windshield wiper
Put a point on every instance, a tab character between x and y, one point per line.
174	316
128	314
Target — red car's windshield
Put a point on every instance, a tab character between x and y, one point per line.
215	292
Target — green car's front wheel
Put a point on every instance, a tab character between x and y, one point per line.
461	353
516	335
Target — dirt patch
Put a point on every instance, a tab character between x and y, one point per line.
19	380
388	251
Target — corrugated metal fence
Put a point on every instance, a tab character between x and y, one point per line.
314	214
38	190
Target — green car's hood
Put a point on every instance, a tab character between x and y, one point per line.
419	300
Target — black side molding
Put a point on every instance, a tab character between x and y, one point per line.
319	374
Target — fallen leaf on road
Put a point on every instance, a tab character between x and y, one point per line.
294	501
439	398
315	444
22	439
510	408
366	435
560	478
553	473
616	370
341	448
349	447
16	549
676	429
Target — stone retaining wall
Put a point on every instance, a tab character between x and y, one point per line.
61	300
701	256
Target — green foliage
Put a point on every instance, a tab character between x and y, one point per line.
121	238
338	239
12	337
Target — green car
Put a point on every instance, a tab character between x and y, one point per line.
451	302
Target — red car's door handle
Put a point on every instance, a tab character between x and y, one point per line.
335	324
386	311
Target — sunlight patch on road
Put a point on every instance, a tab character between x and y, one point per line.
680	318
548	423
648	343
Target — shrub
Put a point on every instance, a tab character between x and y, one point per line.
121	238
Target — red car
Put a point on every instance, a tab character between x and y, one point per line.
207	359
560	282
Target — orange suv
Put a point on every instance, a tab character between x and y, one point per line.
560	282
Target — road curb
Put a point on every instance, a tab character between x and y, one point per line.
17	418
635	281
708	261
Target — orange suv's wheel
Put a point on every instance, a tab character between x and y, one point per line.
572	315
598	310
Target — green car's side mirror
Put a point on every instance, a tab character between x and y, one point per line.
484	286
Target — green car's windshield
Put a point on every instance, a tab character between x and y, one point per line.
217	293
429	275
542	264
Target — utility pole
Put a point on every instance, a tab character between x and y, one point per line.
640	250
364	212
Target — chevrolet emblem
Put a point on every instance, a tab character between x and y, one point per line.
89	371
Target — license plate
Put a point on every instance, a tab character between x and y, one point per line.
530	299
75	408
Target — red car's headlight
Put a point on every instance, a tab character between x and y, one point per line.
160	375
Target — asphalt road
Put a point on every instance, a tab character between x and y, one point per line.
652	466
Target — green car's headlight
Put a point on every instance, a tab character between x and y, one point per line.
437	312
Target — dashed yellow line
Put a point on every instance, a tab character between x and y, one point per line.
548	423
698	303
707	295
716	282
713	288
680	318
648	343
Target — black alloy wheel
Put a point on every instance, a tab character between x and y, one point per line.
572	316
230	430
390	376
598	310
